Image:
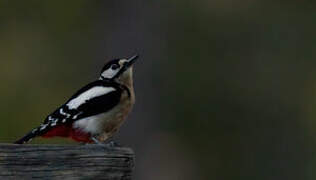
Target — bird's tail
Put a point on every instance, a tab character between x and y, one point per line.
28	137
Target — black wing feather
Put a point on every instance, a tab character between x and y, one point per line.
91	107
99	104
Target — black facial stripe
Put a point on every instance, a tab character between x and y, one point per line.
120	72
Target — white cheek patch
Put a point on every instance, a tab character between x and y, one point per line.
110	73
90	94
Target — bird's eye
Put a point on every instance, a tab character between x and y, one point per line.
115	66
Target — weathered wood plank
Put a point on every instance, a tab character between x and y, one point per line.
65	162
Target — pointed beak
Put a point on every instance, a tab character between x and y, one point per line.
131	61
127	64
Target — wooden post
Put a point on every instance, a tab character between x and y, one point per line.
65	162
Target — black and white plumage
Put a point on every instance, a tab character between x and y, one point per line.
96	111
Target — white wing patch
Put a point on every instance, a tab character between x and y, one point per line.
43	126
61	111
90	94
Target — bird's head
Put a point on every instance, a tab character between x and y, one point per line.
118	69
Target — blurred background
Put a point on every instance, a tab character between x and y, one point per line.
226	89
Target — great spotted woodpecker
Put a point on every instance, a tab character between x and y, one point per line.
95	112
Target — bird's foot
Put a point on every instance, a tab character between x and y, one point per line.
113	144
110	144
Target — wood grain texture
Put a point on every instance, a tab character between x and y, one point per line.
65	162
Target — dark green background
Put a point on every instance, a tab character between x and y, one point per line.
226	89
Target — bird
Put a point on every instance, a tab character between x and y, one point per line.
95	112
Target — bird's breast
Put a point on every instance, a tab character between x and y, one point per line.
107	122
